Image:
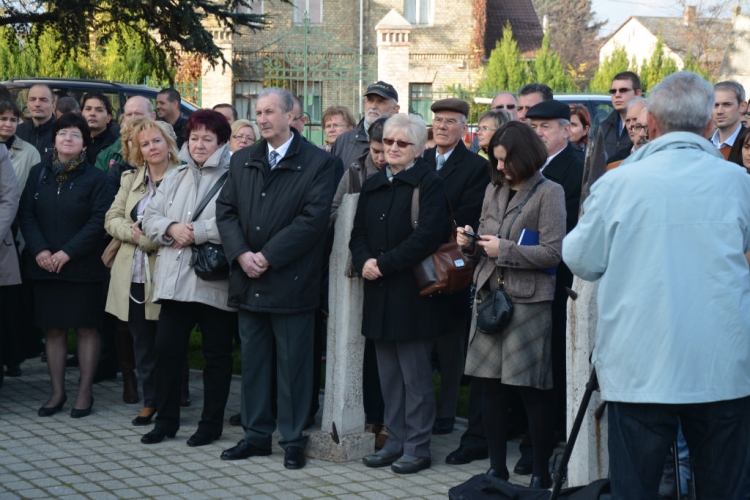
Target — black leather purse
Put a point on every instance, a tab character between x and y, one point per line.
208	259
495	309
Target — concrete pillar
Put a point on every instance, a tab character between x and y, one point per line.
342	437
218	83
394	38
590	460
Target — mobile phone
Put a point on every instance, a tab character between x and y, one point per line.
471	234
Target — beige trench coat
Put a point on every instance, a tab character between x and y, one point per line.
117	223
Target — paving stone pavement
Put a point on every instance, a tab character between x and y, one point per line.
101	457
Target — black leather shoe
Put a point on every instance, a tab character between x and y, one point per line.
13	371
411	467
524	466
140	420
236	419
83	412
541	482
48	411
500	474
442	426
156	436
244	450
464	455
294	458
202	438
377	460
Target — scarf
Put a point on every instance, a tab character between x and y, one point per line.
61	170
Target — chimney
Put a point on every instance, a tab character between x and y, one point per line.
690	15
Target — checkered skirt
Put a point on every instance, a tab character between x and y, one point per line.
521	354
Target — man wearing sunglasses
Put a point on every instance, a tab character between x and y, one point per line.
625	86
465	176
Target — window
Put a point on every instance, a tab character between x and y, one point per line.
245	97
420	100
256	7
314	9
418	11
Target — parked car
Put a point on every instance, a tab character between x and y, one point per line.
599	106
118	93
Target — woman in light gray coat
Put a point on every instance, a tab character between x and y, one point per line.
519	198
9	272
185	298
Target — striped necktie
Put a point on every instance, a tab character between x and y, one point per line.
440	161
273	158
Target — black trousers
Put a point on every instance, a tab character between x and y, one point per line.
218	327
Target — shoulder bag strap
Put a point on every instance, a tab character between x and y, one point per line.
415	210
215	189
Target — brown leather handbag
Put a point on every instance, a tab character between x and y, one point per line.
445	271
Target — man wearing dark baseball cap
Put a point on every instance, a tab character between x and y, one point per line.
381	100
465	177
551	122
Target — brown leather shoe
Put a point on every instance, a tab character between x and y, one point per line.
381	438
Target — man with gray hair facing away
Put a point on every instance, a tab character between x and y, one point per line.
668	237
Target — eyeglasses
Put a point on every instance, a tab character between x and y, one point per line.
447	121
334	125
247	138
621	91
746	113
637	129
401	144
73	135
505	106
486	129
296	118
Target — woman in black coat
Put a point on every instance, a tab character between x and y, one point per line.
62	220
385	248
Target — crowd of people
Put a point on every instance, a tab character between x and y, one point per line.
133	234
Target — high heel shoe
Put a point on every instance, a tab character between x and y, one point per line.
80	413
157	436
141	420
48	411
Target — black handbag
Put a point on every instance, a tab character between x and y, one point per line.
495	310
208	259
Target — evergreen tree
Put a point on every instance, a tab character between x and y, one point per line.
124	59
612	64
547	68
505	70
656	67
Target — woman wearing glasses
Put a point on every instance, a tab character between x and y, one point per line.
489	122
244	134
62	220
402	324
336	120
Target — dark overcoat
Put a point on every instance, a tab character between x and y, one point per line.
282	213
68	218
566	169
393	309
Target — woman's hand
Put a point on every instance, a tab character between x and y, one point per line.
491	244
461	238
182	234
370	270
59	259
136	232
44	260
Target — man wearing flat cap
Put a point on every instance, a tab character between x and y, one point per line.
466	177
551	122
381	100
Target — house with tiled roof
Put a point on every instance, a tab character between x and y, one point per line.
329	51
705	38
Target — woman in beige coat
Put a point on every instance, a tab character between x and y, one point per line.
519	198
154	148
185	298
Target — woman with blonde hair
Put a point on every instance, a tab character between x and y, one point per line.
153	147
244	134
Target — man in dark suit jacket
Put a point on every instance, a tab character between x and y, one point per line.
551	121
465	176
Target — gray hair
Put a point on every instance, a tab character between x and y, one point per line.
412	126
499	116
731	86
637	100
285	97
683	101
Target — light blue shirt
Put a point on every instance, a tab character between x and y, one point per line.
666	233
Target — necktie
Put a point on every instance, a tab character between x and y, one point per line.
440	161
273	158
